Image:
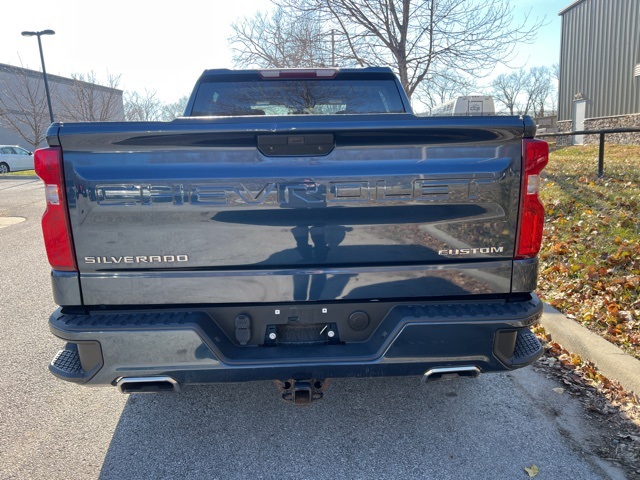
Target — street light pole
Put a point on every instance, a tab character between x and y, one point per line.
44	70
333	48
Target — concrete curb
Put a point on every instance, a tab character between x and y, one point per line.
611	361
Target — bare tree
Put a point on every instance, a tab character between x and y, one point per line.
538	89
525	92
555	80
419	39
174	110
89	100
282	39
142	107
23	105
507	89
442	88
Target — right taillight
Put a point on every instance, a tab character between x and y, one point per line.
55	221
535	155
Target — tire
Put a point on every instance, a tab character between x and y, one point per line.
4	168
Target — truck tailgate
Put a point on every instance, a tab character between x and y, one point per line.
222	210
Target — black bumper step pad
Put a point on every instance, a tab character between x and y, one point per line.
527	349
66	363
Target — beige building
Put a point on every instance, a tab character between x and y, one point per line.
24	114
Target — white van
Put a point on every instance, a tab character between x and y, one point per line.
466	105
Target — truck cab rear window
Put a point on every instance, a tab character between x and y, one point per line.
293	97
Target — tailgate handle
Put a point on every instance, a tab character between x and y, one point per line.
296	145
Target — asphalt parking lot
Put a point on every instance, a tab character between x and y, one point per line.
491	427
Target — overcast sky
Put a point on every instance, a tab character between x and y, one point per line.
165	45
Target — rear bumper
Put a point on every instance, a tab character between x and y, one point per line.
190	347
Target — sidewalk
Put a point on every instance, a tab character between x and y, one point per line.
610	360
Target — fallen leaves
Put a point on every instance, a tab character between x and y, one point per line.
590	258
532	471
581	377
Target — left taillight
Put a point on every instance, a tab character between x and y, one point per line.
56	227
535	155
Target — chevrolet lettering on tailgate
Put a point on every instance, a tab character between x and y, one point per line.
272	193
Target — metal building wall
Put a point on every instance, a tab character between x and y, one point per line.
599	51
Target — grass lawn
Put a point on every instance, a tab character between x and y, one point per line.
21	173
590	258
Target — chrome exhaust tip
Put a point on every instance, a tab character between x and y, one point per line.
147	385
447	373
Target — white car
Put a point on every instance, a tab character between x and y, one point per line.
14	158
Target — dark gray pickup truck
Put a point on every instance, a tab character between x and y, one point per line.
295	225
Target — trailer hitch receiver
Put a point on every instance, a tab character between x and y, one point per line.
302	392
